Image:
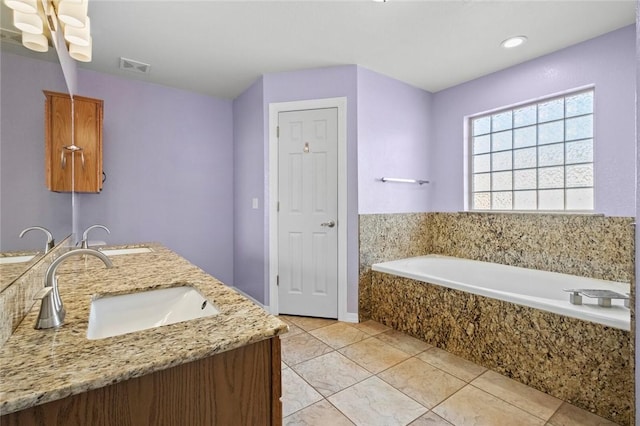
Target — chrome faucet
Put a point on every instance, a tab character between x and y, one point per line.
50	242
85	234
52	310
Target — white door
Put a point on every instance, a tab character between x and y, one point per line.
307	212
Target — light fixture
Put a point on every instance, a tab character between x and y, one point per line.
39	20
28	22
78	36
24	6
81	53
37	42
512	42
73	13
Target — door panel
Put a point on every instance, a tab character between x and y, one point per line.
307	188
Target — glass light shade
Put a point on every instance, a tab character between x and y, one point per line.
28	22
25	6
81	53
78	36
36	42
73	13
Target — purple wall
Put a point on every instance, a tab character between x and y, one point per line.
168	156
606	62
25	200
249	260
393	141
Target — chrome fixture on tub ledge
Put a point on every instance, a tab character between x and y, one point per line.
52	311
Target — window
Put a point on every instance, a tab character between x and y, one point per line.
538	156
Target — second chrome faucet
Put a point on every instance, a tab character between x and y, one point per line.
85	234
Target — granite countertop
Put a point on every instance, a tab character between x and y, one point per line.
40	366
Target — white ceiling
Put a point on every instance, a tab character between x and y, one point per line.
221	47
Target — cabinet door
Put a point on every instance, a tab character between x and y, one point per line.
58	135
88	136
86	163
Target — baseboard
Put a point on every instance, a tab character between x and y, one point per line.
350	317
265	307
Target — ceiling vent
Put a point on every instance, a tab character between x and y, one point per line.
135	66
8	36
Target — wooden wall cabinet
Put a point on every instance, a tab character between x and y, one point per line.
241	387
87	128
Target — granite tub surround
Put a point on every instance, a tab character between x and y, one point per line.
585	245
16	298
40	366
583	363
386	237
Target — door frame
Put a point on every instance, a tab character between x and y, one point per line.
274	109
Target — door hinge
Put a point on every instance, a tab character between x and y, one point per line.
278	206
277	131
278	280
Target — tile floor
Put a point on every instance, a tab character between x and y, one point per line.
337	373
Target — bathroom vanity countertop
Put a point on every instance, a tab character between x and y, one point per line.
39	366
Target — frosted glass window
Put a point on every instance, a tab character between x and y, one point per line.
552	110
482	200
501	121
580	152
524	158
482	144
481	126
580	127
501	181
537	156
482	163
551	132
551	177
580	176
502	200
580	199
551	199
525	200
502	141
525	136
524	116
482	182
501	160
551	155
579	104
525	179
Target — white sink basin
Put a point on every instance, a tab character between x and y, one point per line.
15	259
117	252
122	314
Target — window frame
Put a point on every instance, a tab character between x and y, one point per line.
469	157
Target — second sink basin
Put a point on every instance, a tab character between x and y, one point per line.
126	313
15	259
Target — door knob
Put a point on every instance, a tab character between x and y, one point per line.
329	224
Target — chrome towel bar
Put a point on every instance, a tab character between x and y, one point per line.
401	180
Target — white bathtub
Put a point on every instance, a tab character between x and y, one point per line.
528	287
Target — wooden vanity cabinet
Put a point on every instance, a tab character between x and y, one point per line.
87	127
237	387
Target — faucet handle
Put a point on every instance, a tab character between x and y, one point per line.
85	234
50	241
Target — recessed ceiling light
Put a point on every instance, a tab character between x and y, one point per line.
513	42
